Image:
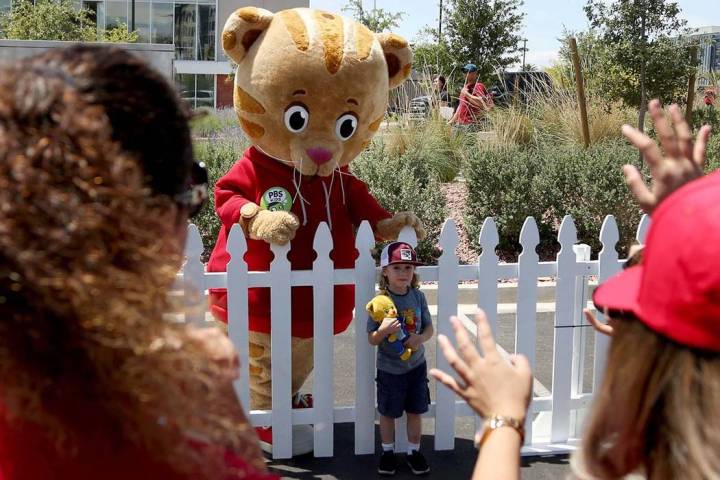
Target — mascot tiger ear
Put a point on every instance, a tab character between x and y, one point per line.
242	29
398	57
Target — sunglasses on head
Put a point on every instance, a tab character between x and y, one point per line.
196	192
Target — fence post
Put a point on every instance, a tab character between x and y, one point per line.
237	301
447	298
364	352
607	267
194	278
488	278
527	293
323	308
562	344
582	254
280	351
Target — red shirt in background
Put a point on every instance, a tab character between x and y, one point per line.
467	112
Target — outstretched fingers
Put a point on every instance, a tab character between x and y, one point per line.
457	363
465	345
664	129
485	337
700	151
597	325
448	381
637	186
649	149
684	135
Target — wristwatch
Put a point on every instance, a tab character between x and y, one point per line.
247	213
493	422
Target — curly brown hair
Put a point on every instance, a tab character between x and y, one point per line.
93	147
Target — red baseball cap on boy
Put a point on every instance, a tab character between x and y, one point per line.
398	252
675	291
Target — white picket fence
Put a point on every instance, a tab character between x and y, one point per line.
553	429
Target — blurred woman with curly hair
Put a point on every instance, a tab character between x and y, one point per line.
96	185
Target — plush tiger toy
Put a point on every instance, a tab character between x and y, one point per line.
311	89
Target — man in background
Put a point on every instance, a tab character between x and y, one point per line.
474	99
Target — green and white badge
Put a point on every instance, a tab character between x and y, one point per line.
276	198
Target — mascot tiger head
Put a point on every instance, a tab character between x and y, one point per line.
311	87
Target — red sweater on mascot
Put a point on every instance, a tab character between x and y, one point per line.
311	89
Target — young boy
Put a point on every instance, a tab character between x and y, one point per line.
402	385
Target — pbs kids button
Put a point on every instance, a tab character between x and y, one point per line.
276	198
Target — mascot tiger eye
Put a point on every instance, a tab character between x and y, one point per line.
311	89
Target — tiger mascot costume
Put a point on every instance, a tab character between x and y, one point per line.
311	89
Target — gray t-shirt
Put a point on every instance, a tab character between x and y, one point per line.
414	304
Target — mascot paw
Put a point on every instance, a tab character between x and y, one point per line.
274	227
389	229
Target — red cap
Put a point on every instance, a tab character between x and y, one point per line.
675	291
398	252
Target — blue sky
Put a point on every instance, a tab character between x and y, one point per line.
543	24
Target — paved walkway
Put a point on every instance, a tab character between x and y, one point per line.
457	464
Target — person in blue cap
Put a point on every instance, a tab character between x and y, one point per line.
474	98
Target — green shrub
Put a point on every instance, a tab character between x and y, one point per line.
404	183
500	185
546	182
706	116
589	184
432	143
219	155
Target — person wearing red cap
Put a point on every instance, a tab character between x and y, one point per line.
655	413
402	383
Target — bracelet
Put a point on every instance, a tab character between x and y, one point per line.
493	422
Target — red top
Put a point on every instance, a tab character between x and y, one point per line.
467	112
26	453
344	198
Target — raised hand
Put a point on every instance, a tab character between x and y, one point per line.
682	162
274	227
490	384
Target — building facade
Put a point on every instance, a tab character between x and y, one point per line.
194	27
708	39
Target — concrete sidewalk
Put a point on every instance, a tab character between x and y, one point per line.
450	465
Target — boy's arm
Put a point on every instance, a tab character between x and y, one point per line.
375	338
377	332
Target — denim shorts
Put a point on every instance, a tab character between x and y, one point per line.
407	392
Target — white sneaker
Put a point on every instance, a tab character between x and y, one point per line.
302	439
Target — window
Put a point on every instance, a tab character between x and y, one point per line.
142	21
197	90
206	35
185	31
186	86
162	23
205	91
115	14
97	13
4	6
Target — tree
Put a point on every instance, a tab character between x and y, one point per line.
56	20
644	53
430	56
378	19
484	32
